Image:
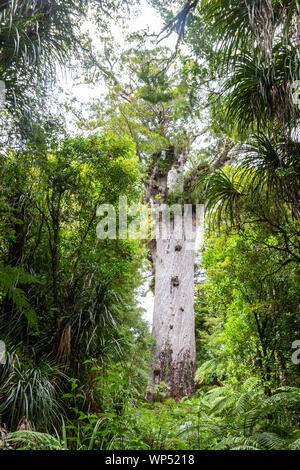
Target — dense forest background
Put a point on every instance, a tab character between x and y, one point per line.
225	94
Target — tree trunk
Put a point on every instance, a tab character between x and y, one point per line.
173	316
173	258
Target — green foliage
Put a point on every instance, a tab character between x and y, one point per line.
34	37
80	290
247	309
29	391
241	419
9	279
68	301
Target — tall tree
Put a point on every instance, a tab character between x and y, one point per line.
154	108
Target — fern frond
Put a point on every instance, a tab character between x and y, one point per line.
32	440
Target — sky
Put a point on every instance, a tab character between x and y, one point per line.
148	17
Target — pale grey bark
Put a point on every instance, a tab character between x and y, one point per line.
173	257
173	316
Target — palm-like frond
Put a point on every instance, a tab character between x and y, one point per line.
248	92
229	21
271	167
238	26
223	197
261	154
29	392
267	172
256	92
34	38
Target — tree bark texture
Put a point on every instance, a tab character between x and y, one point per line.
173	258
